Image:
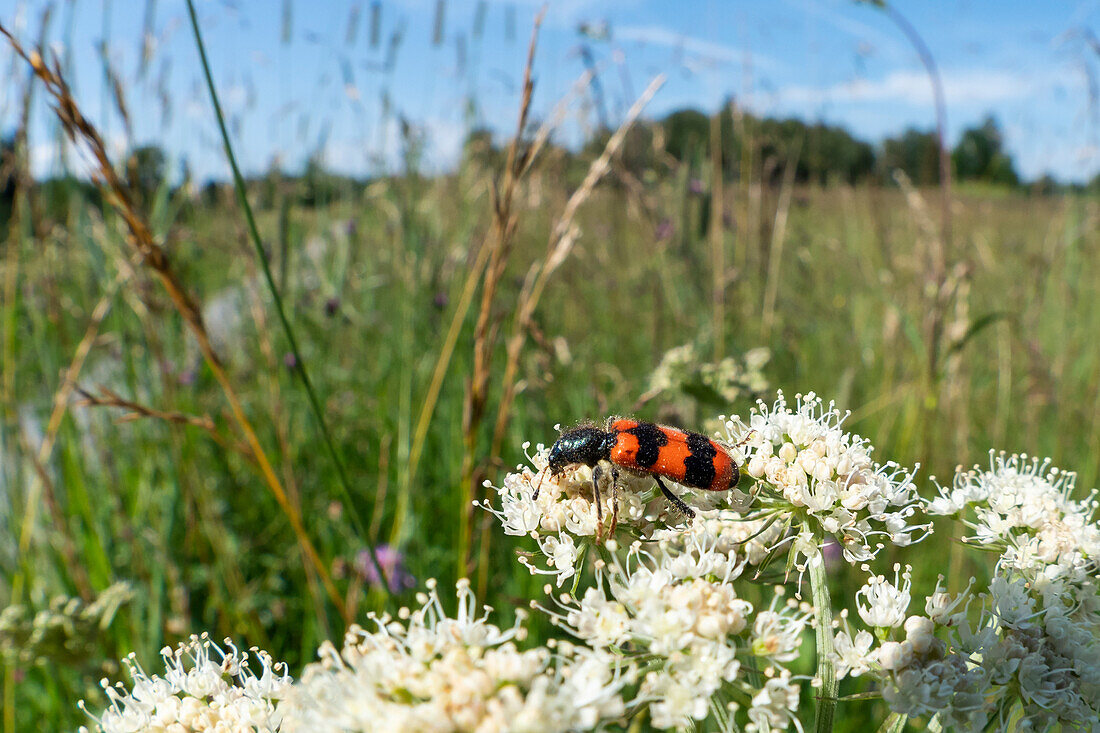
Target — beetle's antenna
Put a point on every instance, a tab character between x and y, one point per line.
745	439
741	442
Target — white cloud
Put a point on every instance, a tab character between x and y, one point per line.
375	154
969	86
661	36
43	159
45	156
561	14
835	16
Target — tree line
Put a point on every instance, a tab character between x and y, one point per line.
760	148
821	153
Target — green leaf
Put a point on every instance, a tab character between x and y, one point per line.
977	326
895	723
703	393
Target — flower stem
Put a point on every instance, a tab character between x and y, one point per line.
826	672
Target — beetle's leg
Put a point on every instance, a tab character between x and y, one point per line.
675	500
597	472
614	499
542	475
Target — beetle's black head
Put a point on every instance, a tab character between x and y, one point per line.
587	444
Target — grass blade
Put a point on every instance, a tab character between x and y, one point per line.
300	369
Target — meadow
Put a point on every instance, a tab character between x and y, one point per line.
122	463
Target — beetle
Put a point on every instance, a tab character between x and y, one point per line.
688	458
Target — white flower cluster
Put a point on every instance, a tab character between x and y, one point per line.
882	605
666	606
67	631
426	671
1022	506
1027	658
563	518
676	367
682	371
669	609
812	473
727	533
1032	652
564	522
204	688
1025	652
663	635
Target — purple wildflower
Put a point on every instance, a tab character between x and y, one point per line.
393	568
331	306
290	360
665	230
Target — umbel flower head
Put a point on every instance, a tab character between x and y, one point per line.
1031	653
562	518
682	372
67	632
422	671
1021	654
664	604
205	688
1026	662
1023	507
813	475
669	610
427	671
559	513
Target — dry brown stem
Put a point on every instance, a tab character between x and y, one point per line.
562	238
496	249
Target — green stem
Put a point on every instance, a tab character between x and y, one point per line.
826	672
895	723
315	405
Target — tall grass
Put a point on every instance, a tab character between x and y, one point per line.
372	284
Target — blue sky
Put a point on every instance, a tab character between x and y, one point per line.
317	83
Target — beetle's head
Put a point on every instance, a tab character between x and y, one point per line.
586	444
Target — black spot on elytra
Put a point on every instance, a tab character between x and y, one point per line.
699	466
650	439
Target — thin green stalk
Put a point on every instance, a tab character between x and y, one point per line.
895	723
826	672
254	234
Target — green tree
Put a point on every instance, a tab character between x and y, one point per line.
827	152
1093	186
319	186
831	153
980	156
481	151
916	154
687	134
146	169
1045	185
